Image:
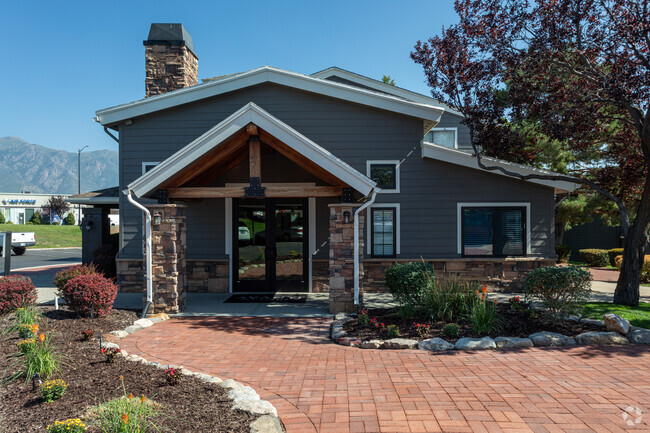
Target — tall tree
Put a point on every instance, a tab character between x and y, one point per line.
578	73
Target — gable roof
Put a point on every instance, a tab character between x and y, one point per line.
430	113
380	86
465	159
250	113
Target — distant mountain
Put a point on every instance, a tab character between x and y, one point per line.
40	169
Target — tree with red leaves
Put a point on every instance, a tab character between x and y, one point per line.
557	80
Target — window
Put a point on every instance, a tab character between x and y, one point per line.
495	231
447	137
147	166
383	232
385	173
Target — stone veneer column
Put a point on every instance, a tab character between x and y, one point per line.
168	267
341	263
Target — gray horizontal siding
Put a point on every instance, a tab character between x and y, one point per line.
429	189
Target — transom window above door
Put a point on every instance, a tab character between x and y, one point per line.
447	137
385	174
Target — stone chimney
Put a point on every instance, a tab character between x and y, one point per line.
171	63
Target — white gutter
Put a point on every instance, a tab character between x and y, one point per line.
147	231
356	245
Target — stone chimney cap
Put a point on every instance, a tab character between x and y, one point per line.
168	34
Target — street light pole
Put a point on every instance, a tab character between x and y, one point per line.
79	182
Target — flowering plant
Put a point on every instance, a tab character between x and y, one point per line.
86	334
421	329
364	318
73	425
111	353
52	390
27	345
27	331
173	376
516	304
392	331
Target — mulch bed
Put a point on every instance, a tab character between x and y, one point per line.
192	405
515	324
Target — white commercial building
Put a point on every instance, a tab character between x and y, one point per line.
19	208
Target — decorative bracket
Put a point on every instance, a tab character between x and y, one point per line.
255	189
346	196
163	196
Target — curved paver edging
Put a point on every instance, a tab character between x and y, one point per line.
244	397
618	330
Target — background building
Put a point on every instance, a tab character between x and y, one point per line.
19	208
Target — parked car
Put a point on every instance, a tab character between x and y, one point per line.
243	234
19	242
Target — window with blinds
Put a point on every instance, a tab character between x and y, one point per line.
493	231
383	232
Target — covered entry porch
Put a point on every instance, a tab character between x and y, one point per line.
269	180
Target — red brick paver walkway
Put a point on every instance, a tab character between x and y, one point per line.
318	386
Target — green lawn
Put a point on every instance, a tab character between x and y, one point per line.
49	236
638	316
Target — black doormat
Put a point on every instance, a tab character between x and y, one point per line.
266	299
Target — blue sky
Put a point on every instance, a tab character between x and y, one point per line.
67	59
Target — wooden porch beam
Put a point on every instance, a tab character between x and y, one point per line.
254	158
277	190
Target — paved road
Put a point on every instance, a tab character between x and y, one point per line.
43	257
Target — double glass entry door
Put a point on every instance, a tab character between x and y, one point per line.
270	245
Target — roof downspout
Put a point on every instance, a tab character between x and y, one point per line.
356	245
147	231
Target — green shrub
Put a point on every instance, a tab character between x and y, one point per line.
408	283
594	257
2	218
485	317
563	253
70	219
560	289
37	218
364	319
450	330
29	223
612	255
449	300
392	331
645	269
73	425
52	390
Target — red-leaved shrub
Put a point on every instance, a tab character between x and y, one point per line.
90	292
62	277
16	291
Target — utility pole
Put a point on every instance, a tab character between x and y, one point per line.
79	183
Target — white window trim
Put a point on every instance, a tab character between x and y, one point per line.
459	221
228	247
145	164
397	226
397	176
455	129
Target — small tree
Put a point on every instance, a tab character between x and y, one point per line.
58	205
70	219
37	218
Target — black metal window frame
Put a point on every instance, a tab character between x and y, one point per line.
372	231
524	234
388	165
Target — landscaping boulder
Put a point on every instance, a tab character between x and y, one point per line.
638	335
243	393
400	343
348	341
435	344
266	424
119	334
337	331
475	343
372	344
592	322
108	345
546	339
230	384
255	407
145	323
133	328
616	323
510	342
595	337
